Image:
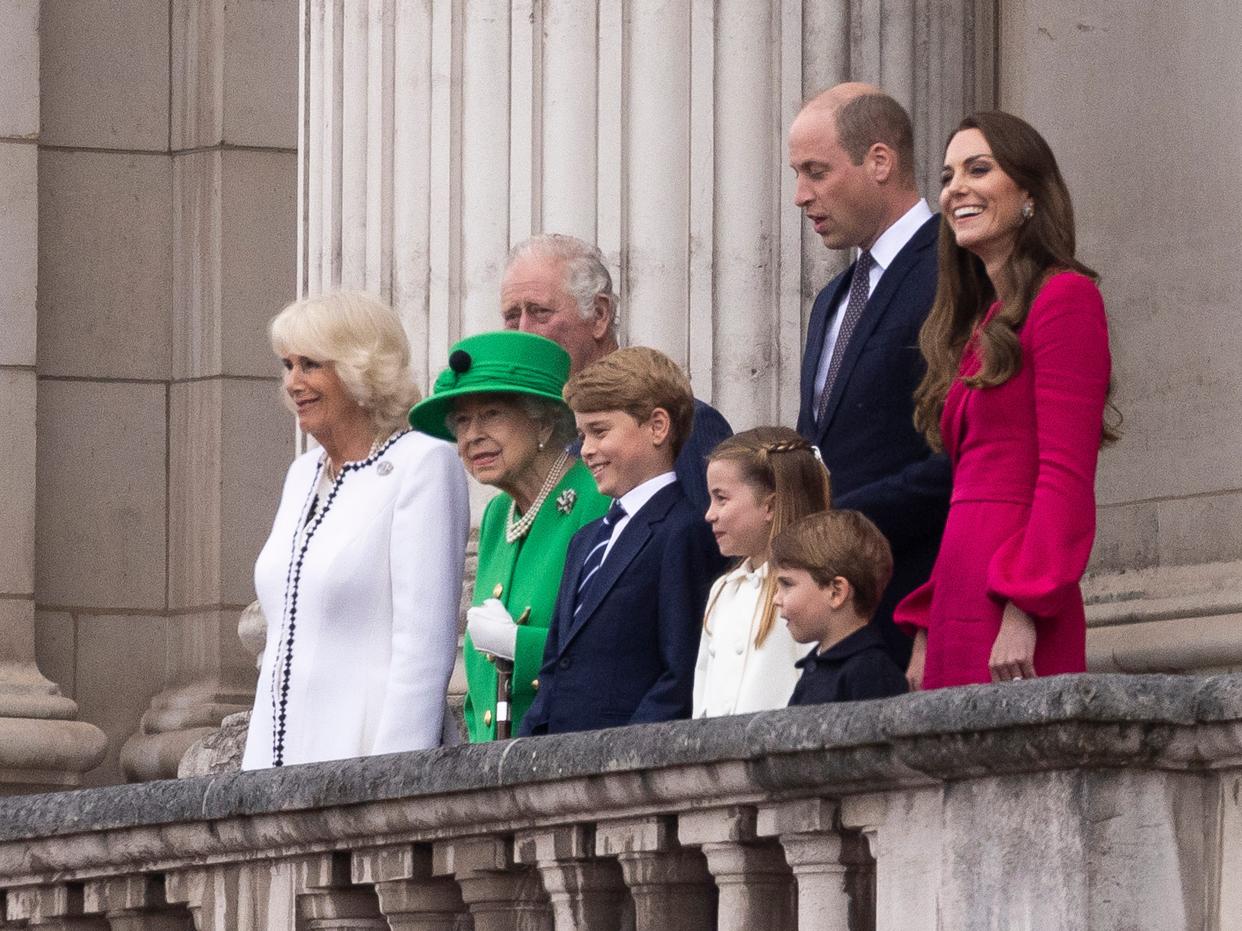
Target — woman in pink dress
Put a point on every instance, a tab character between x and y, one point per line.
1016	386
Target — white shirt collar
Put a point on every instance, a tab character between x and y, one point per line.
636	497
894	239
745	572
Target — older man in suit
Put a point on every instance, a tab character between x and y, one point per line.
852	151
558	287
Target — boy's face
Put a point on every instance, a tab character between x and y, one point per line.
806	606
621	452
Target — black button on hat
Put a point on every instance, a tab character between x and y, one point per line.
460	361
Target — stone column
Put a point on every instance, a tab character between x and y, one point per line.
232	896
135	903
42	746
52	908
411	897
328	900
232	138
834	877
587	892
756	887
501	896
668	882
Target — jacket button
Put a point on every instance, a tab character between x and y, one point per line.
565	663
534	684
487	718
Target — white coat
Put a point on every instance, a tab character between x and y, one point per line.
361	601
732	675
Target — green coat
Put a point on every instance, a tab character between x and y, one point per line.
529	575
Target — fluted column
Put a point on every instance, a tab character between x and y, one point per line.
135	903
437	134
756	888
669	883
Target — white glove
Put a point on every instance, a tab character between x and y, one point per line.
491	627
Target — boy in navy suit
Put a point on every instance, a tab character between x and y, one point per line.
624	636
831	570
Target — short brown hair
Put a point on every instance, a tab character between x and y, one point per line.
867	119
839	543
635	380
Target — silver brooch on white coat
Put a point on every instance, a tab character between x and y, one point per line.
385	468
565	500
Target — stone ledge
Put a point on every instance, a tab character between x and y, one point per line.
1089	720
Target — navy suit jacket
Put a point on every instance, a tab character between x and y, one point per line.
629	655
710	427
880	464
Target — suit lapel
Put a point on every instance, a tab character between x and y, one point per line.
633	538
817	330
886	291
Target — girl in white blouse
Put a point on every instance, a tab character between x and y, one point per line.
760	482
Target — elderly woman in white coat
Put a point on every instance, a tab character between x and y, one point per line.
360	579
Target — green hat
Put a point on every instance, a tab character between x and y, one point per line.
506	361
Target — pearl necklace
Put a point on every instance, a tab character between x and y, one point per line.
515	530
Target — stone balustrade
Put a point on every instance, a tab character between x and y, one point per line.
1088	802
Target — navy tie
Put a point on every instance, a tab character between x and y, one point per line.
860	289
595	555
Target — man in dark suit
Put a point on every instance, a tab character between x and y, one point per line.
852	150
625	632
558	287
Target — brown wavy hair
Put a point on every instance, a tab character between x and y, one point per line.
1045	244
776	461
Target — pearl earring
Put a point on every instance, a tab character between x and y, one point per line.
1028	210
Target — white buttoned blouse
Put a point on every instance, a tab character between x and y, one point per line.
733	676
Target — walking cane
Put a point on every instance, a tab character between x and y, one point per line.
504	690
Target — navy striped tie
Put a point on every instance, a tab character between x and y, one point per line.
595	556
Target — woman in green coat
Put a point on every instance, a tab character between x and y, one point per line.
500	401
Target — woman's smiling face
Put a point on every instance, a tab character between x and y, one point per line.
981	203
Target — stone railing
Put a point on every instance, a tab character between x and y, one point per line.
1089	802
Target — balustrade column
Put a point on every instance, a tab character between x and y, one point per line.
670	884
328	900
135	903
587	892
500	895
756	887
834	876
52	908
411	897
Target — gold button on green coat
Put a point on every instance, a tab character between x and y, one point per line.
528	572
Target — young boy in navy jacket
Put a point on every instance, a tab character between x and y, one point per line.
831	571
624	635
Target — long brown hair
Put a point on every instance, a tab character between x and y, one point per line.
1045	243
776	461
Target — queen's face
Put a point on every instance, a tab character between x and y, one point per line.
981	203
321	401
497	440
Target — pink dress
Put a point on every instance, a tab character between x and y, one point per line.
1022	514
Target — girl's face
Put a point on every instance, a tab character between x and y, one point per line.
740	516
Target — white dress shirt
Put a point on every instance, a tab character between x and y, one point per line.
885	249
732	675
633	500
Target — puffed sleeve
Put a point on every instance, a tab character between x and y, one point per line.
427	555
1067	347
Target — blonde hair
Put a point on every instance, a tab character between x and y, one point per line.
776	461
635	380
363	339
839	543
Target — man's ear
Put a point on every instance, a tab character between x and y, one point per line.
659	424
881	162
601	317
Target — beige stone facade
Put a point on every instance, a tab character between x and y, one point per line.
171	171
